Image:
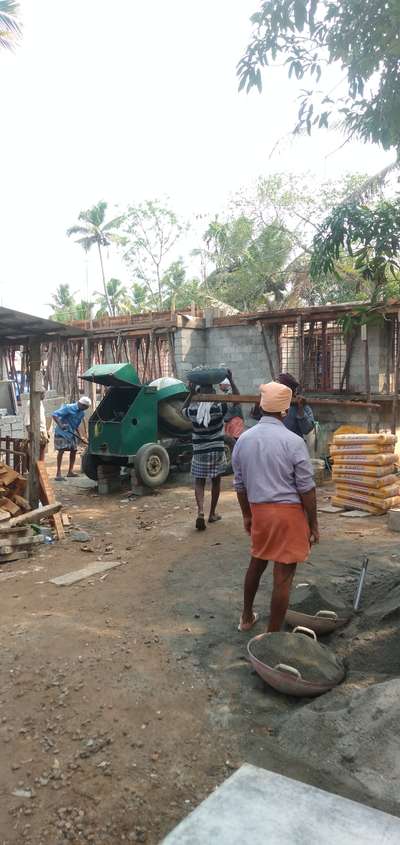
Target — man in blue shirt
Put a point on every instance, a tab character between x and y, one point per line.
68	419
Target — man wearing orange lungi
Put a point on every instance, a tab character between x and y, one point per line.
276	492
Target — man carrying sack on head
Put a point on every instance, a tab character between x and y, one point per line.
276	491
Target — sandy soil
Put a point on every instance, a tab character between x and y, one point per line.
126	699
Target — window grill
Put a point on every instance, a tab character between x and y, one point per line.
316	357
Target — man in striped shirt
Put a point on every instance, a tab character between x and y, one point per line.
209	460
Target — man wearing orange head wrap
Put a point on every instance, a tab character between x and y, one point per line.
276	492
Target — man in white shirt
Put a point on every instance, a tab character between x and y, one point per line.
44	436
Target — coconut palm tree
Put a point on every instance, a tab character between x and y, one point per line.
117	300
94	231
63	304
10	29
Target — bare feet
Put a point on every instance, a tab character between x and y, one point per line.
215	517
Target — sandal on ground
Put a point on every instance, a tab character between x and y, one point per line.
215	518
247	626
73	475
59	478
200	522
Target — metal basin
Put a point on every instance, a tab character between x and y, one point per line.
287	679
323	622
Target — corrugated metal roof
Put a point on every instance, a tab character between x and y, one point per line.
14	325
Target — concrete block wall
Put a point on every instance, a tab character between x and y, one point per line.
241	348
14	426
190	350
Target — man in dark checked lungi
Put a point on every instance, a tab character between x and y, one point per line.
276	491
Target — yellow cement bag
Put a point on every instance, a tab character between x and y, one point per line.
364	481
371	460
362	449
362	469
373	496
339	502
383	439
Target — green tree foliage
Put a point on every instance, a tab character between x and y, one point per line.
247	262
93	230
10	27
63	304
178	290
360	36
117	301
370	236
151	230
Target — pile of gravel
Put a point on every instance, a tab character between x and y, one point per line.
315	662
352	736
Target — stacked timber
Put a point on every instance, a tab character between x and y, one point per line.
12	493
18	543
364	467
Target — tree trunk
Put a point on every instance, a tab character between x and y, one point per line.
104	280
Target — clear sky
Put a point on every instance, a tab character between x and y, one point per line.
125	100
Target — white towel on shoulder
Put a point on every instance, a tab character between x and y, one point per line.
203	415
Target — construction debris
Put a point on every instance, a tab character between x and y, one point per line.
81	574
12	490
18	543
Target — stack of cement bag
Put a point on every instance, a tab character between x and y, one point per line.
364	472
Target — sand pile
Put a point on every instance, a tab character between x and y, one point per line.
315	662
354	734
310	599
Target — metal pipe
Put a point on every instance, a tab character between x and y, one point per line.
360	584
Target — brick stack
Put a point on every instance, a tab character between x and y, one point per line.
364	472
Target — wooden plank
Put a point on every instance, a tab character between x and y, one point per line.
251	399
396	380
267	350
34	428
4	516
47	497
367	378
21	502
33	516
7	505
81	574
14	542
13	556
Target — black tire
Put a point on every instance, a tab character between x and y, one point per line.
229	443
152	464
90	464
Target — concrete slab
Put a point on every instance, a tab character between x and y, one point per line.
259	807
81	574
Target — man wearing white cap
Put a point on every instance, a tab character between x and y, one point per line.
276	491
68	419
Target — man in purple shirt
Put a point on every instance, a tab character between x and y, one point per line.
276	492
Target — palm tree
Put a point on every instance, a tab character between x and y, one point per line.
116	302
94	231
63	304
10	29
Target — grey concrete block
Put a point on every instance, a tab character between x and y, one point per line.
259	807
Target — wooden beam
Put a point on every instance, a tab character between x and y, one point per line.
396	380
34	430
47	497
267	349
251	399
32	516
364	338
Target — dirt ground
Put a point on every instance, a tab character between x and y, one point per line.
126	698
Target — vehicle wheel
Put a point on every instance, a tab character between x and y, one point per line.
229	443
152	464
90	464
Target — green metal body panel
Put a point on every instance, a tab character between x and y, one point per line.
124	436
127	416
112	375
